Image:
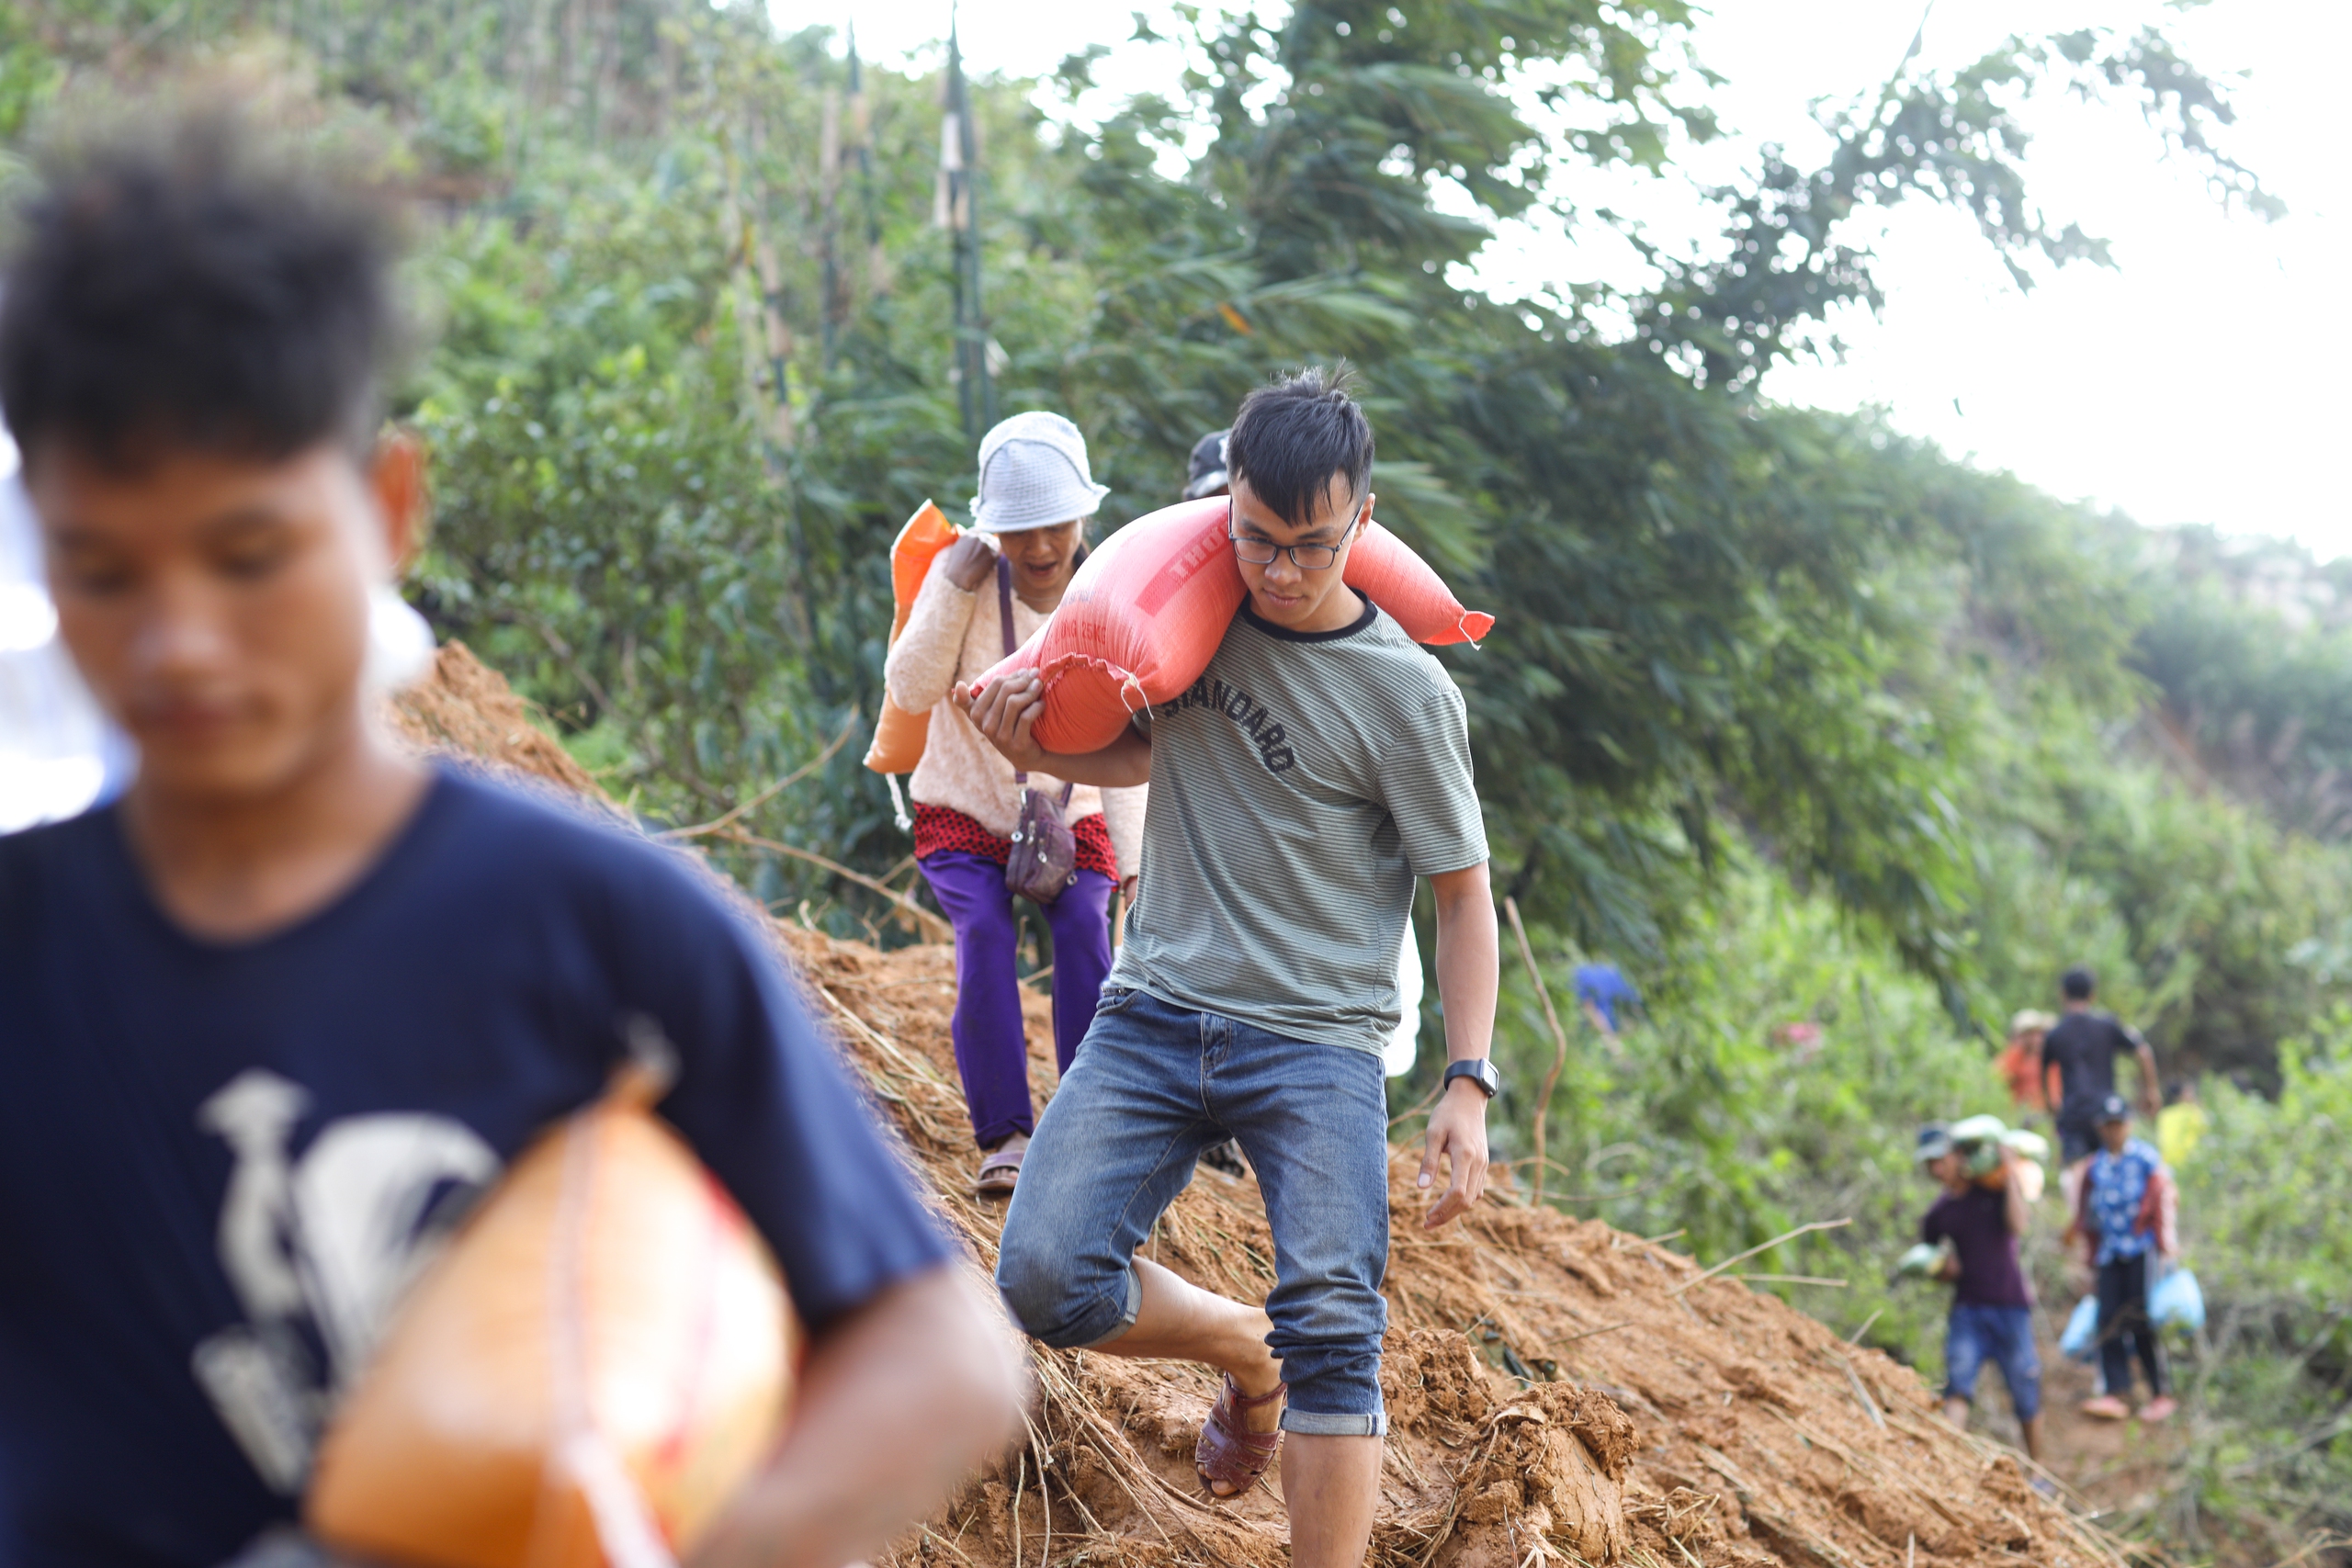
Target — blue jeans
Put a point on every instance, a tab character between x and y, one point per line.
2002	1335
1153	1085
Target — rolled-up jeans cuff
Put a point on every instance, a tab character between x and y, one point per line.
1127	1316
1314	1424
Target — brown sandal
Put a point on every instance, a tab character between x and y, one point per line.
1229	1452
1000	1170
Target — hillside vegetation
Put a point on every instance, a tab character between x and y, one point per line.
1841	748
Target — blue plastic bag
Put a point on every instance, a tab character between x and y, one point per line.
2176	1300
2080	1342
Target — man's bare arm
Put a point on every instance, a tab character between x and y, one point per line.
1006	712
897	1403
2151	1091
1468	971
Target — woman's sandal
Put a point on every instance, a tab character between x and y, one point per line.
1000	1169
1228	1451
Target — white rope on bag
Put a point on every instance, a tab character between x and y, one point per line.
899	804
625	1527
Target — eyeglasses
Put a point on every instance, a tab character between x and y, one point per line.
1262	552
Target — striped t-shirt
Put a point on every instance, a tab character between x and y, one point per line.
1297	791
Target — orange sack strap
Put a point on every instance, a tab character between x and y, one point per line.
899	735
1144	615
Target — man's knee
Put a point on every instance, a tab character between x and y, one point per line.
1080	918
1056	1293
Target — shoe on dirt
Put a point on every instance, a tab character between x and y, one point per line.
2158	1408
2106	1408
1225	1157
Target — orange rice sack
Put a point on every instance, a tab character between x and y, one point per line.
1141	619
899	735
597	1363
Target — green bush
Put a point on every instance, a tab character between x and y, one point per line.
2265	1203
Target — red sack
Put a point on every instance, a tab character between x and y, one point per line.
1141	619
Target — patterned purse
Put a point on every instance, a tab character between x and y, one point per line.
1045	853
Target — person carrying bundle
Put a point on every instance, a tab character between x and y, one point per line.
977	604
1976	1227
276	1015
1320	764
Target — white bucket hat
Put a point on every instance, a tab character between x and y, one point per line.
1033	475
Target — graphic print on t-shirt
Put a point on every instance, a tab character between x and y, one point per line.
326	1242
1249	715
1297	789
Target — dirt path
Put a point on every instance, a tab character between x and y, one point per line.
2117	1468
2120	1467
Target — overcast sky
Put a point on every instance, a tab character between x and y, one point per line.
2200	382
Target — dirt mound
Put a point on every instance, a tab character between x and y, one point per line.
1558	1390
465	709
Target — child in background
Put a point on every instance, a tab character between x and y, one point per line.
1992	1308
2125	1219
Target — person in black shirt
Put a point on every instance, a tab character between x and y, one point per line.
2079	1056
273	1017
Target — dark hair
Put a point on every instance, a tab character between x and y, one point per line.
1289	438
2077	984
184	284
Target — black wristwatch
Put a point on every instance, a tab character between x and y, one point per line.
1479	1071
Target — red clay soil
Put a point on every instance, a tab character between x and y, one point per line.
464	708
1558	1391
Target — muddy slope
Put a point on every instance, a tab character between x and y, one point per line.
1558	1390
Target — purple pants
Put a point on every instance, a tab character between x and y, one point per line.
991	1049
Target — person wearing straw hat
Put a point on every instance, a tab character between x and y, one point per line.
2019	1062
988	593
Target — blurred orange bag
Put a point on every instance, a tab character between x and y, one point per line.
899	735
588	1374
1144	615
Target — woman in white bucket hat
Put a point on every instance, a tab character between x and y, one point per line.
1029	522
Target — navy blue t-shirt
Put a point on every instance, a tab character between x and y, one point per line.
221	1163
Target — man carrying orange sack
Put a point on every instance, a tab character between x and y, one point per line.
1319	765
275	1015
